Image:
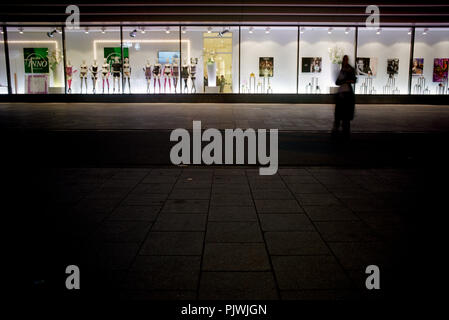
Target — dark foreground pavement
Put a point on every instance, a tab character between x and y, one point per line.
227	233
139	228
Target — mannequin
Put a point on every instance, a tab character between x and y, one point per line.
94	72
157	70
175	73
105	69
193	63
83	74
185	75
126	75
69	73
147	71
168	74
116	71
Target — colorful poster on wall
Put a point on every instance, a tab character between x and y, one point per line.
366	66
111	53
162	56
36	60
417	66
392	66
266	66
440	69
311	64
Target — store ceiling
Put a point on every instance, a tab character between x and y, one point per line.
224	12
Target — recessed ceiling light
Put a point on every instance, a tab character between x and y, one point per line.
267	30
425	31
167	30
209	30
103	30
329	31
347	30
21	30
251	30
184	29
86	31
142	30
302	30
378	31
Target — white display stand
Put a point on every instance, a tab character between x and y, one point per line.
211	74
212	89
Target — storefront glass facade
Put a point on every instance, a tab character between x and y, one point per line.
184	59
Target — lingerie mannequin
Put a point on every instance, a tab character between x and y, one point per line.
185	75
157	71
94	73
193	63
116	71
147	71
83	74
126	75
105	69
69	73
167	74
175	72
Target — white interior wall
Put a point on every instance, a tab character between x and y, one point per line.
390	43
435	44
281	44
316	42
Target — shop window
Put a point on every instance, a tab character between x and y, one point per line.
383	61
321	50
268	59
430	61
91	54
209	59
154	59
36	60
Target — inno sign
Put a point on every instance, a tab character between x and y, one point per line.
212	152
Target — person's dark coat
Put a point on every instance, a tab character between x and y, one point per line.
345	104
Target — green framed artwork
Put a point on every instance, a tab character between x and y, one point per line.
111	53
36	60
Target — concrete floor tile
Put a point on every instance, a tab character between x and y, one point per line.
237	286
180	222
295	243
233	232
285	222
235	257
173	243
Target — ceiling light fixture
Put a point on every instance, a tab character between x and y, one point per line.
425	31
86	31
51	34
251	29
184	29
142	30
167	30
209	30
378	31
133	33
103	30
301	31
21	30
329	31
267	30
347	30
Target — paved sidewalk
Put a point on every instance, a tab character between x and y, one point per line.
160	116
227	233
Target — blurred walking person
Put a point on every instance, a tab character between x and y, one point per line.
345	104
